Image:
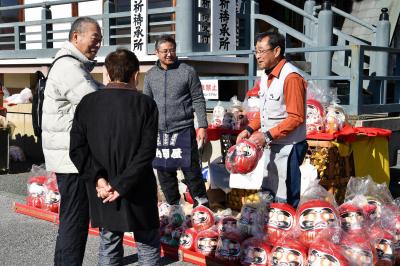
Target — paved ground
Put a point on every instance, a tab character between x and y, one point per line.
30	241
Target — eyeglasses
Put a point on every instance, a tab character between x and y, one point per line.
256	52
173	51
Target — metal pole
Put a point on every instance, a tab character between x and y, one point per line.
307	24
17	38
323	64
184	26
254	9
357	60
382	58
108	8
46	14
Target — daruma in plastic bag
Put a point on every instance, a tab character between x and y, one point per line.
323	252
313	216
335	118
35	201
206	242
315	117
359	250
228	246
288	251
243	157
255	251
351	217
384	245
227	224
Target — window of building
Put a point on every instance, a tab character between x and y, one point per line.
9	16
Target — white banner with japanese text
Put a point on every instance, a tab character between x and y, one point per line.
223	21
139	27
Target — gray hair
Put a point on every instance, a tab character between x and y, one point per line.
79	25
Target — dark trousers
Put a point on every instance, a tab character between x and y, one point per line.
193	179
74	221
293	180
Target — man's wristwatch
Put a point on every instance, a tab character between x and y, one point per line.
250	130
268	138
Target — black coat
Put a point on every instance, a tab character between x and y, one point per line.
114	134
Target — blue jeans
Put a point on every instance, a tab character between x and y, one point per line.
111	250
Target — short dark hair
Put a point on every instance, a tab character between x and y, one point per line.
275	39
163	39
121	65
79	25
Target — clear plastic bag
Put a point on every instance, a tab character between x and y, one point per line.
315	117
255	251
218	115
35	186
335	118
317	211
251	104
369	195
327	247
52	194
206	242
288	251
251	221
228	246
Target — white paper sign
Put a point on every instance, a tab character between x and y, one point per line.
210	88
223	20
139	27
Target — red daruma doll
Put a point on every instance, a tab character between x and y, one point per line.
187	239
351	217
255	251
243	157
226	224
313	216
36	191
202	218
325	253
359	250
228	247
315	117
253	103
288	252
206	242
397	240
52	197
279	221
384	246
